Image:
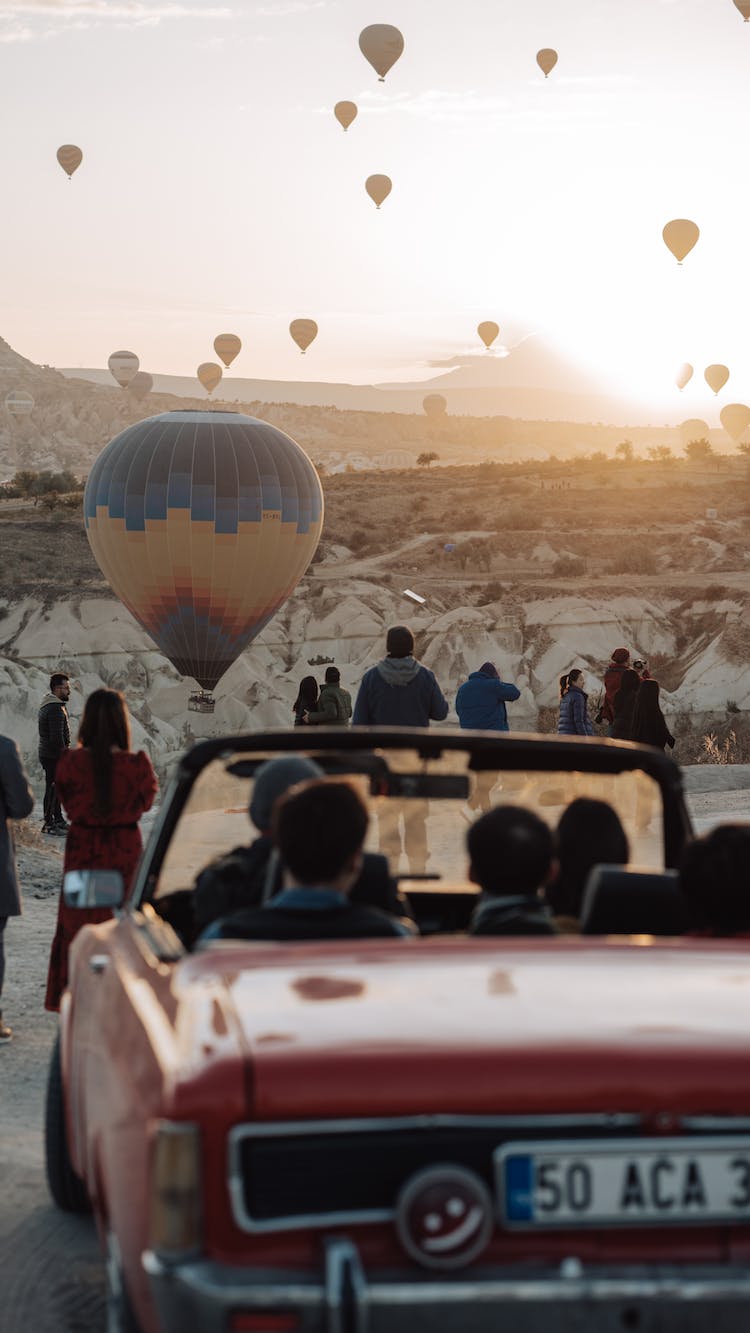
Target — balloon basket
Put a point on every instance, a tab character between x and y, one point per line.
201	702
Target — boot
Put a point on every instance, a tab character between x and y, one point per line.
6	1033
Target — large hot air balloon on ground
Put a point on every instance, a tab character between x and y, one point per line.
680	235
546	59
378	188
381	44
123	367
303	331
435	406
203	523
227	346
209	375
684	375
735	418
345	113
19	403
716	377
70	158
488	331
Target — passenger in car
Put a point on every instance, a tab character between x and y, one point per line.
512	859
589	833
319	828
715	881
250	876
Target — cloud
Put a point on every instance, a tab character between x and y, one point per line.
132	11
283	8
437	104
16	34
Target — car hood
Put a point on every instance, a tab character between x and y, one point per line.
490	1026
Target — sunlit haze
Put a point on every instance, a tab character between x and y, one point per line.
218	193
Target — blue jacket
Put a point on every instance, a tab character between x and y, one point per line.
481	700
574	713
399	692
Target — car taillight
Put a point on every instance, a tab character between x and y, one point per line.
175	1194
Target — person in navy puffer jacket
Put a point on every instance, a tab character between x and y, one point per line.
481	700
574	706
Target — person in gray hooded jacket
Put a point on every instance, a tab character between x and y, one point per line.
399	691
16	802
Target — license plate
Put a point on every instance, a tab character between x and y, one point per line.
621	1183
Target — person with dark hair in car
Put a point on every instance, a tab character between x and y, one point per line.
512	859
715	881
319	828
589	833
399	691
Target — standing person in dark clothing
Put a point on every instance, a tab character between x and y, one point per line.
16	802
574	717
625	698
481	700
612	681
399	691
54	739
306	701
649	726
334	706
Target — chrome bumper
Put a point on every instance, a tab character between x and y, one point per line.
568	1299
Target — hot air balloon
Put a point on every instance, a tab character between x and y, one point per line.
209	375
70	158
744	8
227	346
546	59
435	405
19	403
141	385
680	236
378	188
716	377
694	429
123	367
203	523
684	375
381	44
735	417
488	331
345	113
303	331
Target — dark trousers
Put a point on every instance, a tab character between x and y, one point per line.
52	811
3	920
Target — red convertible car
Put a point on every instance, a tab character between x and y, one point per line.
438	1132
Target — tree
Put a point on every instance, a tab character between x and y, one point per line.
697	450
744	449
424	460
660	453
625	451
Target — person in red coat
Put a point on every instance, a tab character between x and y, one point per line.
105	789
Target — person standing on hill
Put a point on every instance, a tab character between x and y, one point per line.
481	700
306	701
54	740
334	707
574	717
649	725
612	681
16	802
399	691
622	727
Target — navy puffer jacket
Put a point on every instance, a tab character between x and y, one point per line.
574	713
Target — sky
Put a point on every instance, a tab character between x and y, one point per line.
218	193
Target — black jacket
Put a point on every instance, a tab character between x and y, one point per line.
54	728
345	921
16	802
516	915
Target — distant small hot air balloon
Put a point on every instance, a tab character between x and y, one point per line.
546	59
141	385
744	8
488	331
716	377
680	236
345	113
435	405
70	158
227	346
378	188
209	375
19	403
694	429
684	375
123	367
381	44
735	417
303	331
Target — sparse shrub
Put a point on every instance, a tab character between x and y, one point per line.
358	540
634	560
492	592
569	566
719	752
732	706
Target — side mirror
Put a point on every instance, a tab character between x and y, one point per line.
93	888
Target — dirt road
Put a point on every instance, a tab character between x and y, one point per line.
52	1278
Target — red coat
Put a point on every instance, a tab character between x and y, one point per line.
96	842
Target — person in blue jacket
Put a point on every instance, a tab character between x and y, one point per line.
399	691
481	700
574	706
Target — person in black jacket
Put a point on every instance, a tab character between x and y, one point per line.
512	857
16	802
54	737
649	726
624	703
319	828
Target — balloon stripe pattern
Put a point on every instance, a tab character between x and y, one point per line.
203	523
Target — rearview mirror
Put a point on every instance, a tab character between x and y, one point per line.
93	888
